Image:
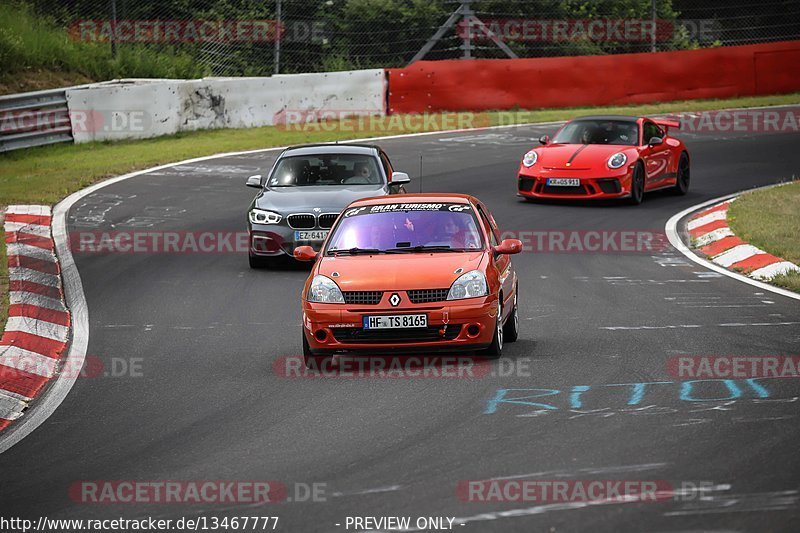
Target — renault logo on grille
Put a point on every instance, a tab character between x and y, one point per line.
394	299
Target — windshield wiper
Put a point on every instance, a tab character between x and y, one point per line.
425	248
356	251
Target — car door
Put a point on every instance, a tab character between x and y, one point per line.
656	157
502	262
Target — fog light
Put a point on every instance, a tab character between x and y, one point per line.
473	330
321	335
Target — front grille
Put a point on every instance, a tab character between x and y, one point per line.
326	220
362	297
565	191
424	296
525	183
431	333
301	221
609	185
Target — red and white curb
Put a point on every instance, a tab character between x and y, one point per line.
713	238
38	326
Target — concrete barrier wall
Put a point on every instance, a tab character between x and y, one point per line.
136	109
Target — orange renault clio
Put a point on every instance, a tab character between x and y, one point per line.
410	273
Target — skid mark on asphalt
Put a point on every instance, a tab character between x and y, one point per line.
378	490
92	212
705	301
683	326
623	469
783	500
200	169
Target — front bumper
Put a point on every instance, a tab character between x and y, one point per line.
276	240
534	185
462	325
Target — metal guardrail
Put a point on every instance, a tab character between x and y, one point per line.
34	119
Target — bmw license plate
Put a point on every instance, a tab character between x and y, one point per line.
563	182
395	321
310	236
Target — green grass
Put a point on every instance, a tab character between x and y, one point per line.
770	220
46	175
29	43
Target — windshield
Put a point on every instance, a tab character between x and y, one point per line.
326	169
599	132
397	228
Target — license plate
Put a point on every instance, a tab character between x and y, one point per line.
395	321
564	182
317	235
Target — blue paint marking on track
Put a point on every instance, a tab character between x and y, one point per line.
693	391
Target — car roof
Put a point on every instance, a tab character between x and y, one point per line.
414	198
621	118
331	148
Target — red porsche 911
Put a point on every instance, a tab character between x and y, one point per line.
606	157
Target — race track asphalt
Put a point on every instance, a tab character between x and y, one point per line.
204	402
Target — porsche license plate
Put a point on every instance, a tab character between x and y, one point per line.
563	182
395	321
310	236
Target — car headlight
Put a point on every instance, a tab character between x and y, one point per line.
617	160
530	158
325	291
259	216
469	285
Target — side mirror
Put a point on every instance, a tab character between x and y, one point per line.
544	139
254	181
305	253
508	247
655	141
400	178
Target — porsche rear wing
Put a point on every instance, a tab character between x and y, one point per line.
667	124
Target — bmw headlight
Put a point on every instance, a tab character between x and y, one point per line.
325	291
529	159
617	160
259	216
469	285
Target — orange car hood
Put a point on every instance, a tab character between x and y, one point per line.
399	272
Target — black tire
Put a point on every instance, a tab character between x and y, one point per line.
313	362
637	185
684	176
495	350
511	327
